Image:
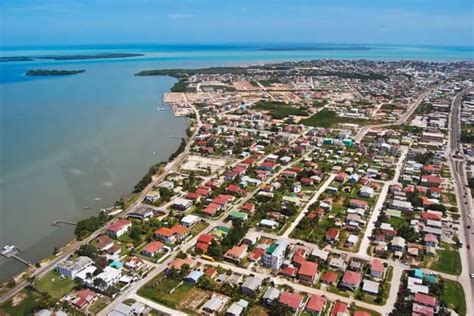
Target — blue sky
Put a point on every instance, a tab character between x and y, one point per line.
56	22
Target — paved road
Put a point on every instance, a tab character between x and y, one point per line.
464	200
411	109
308	204
278	280
379	204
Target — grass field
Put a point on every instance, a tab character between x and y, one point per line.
159	289
27	305
449	261
55	285
453	296
199	227
326	118
279	110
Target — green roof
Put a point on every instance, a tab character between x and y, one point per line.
271	248
237	214
224	229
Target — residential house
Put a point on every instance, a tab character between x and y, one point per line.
251	286
71	268
293	300
171	235
351	280
119	227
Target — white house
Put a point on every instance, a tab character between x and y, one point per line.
71	268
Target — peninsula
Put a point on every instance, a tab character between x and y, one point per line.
70	57
52	72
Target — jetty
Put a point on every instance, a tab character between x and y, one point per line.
14	255
59	222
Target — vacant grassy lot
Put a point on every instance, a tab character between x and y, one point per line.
27	303
326	118
453	296
199	227
449	261
159	289
55	285
279	110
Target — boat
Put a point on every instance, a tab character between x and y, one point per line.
161	109
7	249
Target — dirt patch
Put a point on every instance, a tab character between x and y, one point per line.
194	299
17	299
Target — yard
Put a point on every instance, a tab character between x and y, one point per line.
24	303
159	290
199	227
448	261
453	296
55	285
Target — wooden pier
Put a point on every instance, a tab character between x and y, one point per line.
59	222
13	254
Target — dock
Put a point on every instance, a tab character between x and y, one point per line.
14	255
59	222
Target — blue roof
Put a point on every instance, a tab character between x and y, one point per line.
116	264
418	273
194	276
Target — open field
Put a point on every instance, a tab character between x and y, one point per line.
203	164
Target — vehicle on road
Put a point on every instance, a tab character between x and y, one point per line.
471	275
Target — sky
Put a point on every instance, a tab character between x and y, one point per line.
66	22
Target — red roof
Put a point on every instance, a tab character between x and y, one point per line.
119	224
329	277
431	238
249	207
431	179
168	232
358	202
193	195
377	266
153	247
316	303
308	268
351	277
289	271
293	300
361	313
339	307
430	215
425	299
332	233
256	254
205	238
211	209
298	259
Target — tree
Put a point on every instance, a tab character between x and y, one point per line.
215	250
279	309
99	283
88	251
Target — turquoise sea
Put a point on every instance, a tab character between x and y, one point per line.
72	142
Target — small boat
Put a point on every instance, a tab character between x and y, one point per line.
86	207
97	199
161	109
7	249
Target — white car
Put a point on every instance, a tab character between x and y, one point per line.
471	275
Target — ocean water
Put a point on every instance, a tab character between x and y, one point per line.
83	141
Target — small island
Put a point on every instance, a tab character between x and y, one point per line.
53	72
